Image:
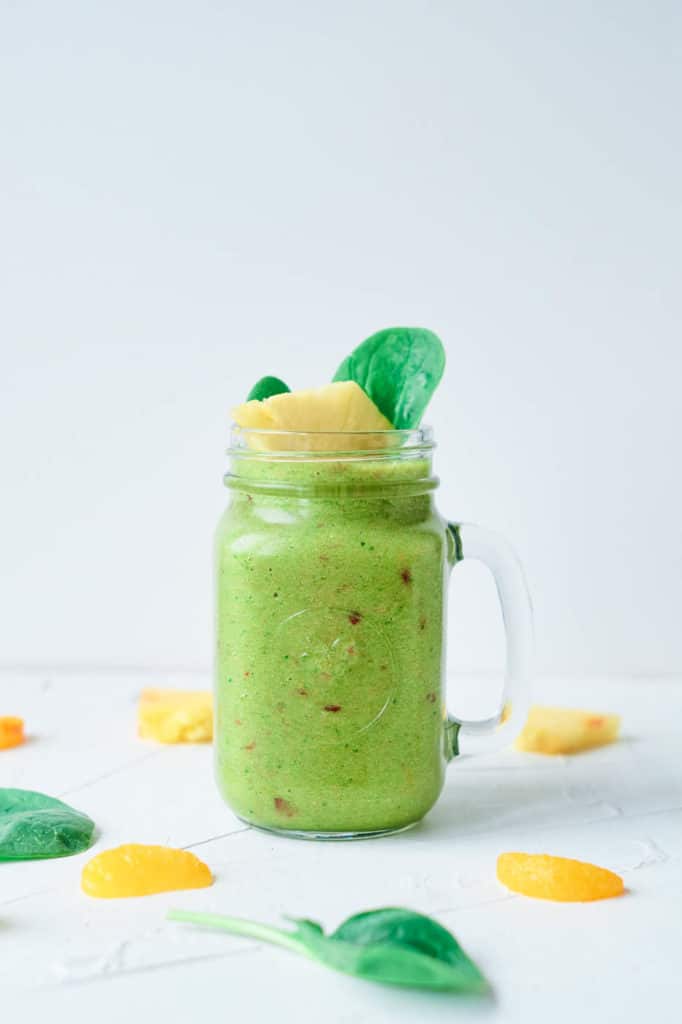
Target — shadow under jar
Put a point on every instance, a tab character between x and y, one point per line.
332	565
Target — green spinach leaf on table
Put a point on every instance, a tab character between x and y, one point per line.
392	945
34	826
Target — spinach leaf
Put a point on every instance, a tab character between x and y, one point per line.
399	368
265	388
393	946
34	826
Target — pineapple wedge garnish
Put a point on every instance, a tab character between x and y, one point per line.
324	414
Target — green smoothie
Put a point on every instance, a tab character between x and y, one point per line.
330	621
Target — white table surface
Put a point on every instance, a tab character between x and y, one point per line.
70	957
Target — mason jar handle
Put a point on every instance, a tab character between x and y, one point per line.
490	734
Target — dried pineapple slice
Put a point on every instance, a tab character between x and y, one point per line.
566	730
138	870
557	878
175	716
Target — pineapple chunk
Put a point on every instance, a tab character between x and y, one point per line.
175	716
330	411
566	730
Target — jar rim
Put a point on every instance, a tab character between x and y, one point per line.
250	442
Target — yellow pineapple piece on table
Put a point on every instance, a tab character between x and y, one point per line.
331	410
175	716
566	730
544	877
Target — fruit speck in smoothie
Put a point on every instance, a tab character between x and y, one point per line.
284	807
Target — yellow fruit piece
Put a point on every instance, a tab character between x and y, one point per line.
11	732
138	870
566	730
340	407
557	878
175	716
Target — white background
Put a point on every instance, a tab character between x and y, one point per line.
193	195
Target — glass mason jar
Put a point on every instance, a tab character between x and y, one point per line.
332	565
